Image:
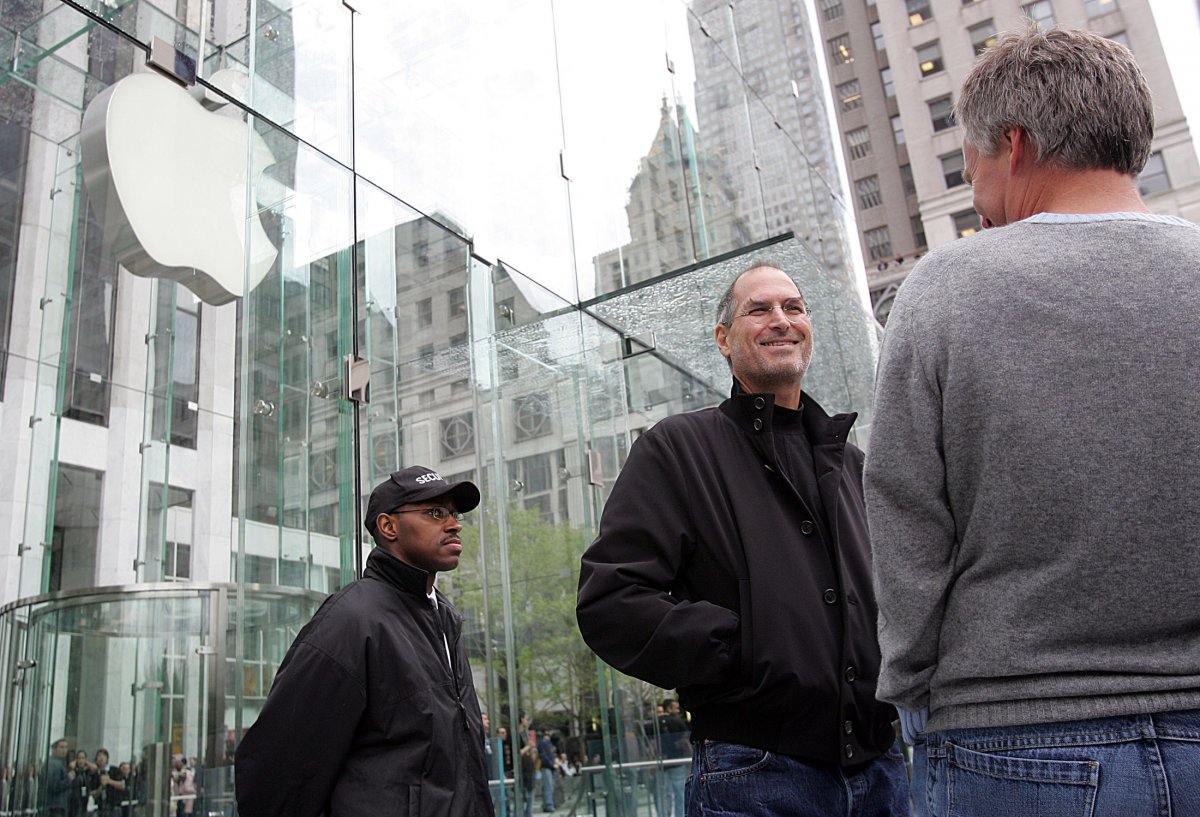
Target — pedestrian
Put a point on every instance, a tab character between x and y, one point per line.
732	564
1033	483
374	709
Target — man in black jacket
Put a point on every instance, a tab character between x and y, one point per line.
373	710
733	565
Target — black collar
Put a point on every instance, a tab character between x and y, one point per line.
752	413
386	567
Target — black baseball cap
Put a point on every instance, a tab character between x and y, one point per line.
417	484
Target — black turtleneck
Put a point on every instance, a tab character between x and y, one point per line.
793	450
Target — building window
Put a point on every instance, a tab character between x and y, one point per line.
851	95
14	154
425	357
858	142
1096	8
92	323
532	479
458	302
868	192
877	33
952	169
839	49
531	416
879	243
929	58
176	344
169	534
458	435
1154	177
177	562
76	529
941	113
889	86
898	129
918	11
1041	12
425	312
982	35
918	231
831	9
966	222
906	178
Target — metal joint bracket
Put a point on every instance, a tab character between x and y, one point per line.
595	468
356	375
632	346
171	62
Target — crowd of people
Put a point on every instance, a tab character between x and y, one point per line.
549	765
72	784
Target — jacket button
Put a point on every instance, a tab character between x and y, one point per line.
849	751
848	727
806	527
851	674
830	596
759	402
758	424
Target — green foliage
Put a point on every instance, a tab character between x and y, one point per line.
556	672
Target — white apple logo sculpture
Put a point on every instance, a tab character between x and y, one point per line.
168	181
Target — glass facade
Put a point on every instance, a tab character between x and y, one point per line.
518	217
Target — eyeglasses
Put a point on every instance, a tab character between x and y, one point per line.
437	514
793	311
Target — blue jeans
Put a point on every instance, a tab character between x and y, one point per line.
669	790
731	779
1135	766
547	788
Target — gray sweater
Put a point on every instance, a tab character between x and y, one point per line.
1033	480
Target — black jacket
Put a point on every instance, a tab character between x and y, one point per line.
711	576
364	717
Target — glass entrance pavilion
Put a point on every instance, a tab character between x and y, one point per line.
487	238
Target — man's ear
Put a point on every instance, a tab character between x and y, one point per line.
1019	149
385	523
721	333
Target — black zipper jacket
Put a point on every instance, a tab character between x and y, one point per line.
365	717
711	576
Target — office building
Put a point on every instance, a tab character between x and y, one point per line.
896	68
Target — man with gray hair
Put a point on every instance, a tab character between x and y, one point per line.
732	564
1033	482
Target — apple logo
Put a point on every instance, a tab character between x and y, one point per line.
167	179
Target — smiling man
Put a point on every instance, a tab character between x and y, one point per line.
732	564
373	710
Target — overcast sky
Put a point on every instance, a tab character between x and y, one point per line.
1179	28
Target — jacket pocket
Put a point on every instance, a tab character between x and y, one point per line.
746	633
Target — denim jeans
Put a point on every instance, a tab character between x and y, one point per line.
731	779
547	788
669	791
1135	766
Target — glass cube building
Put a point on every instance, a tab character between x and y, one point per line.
254	256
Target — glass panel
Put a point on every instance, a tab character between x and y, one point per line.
841	374
301	66
294	468
419	66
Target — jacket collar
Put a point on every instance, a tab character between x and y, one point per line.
387	568
752	413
